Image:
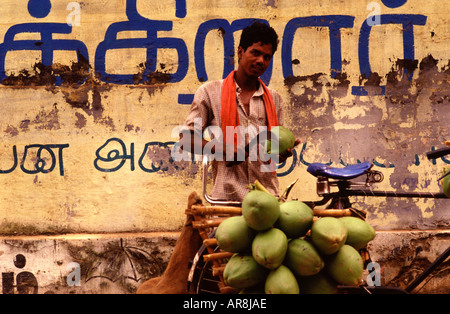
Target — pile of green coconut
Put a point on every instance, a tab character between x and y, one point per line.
280	248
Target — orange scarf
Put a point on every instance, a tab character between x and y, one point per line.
229	113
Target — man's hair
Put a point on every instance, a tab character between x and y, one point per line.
258	32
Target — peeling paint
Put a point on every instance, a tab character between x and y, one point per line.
55	74
396	128
153	78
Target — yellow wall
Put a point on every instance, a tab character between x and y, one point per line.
83	107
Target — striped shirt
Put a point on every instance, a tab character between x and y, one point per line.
231	183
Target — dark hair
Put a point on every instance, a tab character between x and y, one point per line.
258	32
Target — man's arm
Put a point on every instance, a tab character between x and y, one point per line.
193	143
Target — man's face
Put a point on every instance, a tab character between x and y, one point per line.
256	59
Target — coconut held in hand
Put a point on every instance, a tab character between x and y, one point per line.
280	141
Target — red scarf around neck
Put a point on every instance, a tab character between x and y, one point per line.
229	113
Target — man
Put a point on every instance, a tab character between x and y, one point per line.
239	102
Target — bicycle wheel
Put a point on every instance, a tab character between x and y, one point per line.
202	279
207	283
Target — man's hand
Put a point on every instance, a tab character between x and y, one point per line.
283	157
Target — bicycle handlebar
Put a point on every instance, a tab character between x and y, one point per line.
434	154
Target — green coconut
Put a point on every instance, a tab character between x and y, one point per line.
269	248
234	235
359	232
242	271
320	283
281	140
302	258
281	281
345	266
295	218
260	210
328	235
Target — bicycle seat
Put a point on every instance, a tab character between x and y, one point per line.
346	173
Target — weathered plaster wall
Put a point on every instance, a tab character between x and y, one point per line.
112	97
113	263
88	110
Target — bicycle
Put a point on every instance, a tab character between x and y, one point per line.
203	278
341	179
